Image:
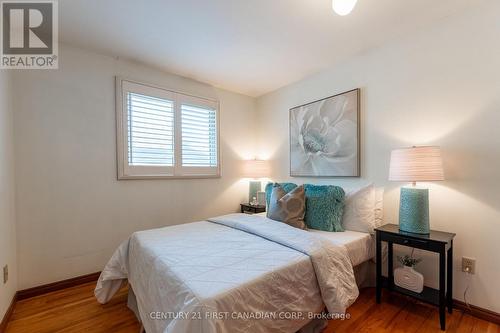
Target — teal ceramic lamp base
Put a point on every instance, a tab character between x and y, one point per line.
255	187
414	210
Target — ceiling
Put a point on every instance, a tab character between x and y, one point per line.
247	46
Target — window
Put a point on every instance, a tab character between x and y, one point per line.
164	134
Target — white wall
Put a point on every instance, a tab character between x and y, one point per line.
438	86
72	212
7	195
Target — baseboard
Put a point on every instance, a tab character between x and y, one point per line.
47	288
478	312
475	311
6	317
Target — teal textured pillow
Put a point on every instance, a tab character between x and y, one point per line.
324	207
287	187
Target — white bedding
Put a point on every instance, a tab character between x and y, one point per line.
234	265
359	245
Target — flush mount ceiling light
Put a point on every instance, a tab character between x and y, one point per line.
343	7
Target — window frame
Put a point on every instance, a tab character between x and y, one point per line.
127	171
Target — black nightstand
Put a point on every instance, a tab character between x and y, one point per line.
438	242
251	209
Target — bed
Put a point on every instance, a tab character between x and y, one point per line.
236	273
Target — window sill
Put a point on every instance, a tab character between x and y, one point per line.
145	177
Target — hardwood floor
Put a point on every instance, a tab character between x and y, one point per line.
76	310
73	310
398	313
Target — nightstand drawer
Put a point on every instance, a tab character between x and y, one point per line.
251	209
416	243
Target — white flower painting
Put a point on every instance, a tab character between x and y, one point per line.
324	137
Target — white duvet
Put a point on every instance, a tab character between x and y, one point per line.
234	273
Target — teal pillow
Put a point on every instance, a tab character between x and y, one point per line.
287	187
324	207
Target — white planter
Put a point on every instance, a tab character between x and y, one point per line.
408	278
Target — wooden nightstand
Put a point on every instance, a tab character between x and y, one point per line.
436	241
251	209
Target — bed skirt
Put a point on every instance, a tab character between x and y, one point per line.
365	274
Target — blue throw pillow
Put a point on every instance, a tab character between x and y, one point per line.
287	187
324	207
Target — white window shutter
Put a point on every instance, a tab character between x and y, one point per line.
150	130
199	136
164	134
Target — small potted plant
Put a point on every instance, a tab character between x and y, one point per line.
407	277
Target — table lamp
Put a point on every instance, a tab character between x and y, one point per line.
415	164
255	170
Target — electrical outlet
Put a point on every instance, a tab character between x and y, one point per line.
5	274
469	265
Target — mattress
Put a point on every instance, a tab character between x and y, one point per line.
359	245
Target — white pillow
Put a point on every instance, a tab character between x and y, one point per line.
379	207
363	209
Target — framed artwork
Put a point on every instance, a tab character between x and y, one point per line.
324	137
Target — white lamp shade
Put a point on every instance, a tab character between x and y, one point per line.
256	169
416	164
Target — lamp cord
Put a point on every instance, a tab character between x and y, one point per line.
467	289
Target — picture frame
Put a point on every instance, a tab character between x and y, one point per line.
325	137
